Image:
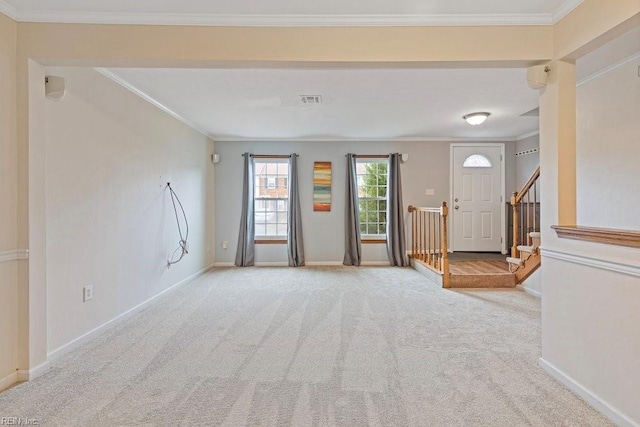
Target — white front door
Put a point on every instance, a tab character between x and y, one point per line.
477	200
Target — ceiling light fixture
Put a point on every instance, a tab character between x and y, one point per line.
475	119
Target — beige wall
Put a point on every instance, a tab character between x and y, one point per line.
8	207
192	46
110	221
592	24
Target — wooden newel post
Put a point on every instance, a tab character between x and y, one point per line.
412	210
445	247
514	208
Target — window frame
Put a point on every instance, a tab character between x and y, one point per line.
362	159
480	160
262	180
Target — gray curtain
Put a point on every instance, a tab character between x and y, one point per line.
396	245
352	240
245	254
295	243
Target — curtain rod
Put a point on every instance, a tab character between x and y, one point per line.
370	156
271	156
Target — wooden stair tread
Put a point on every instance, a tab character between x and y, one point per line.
478	268
471	274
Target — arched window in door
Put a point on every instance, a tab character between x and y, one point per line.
477	161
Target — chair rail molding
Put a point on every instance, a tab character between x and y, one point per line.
609	236
616	267
14	255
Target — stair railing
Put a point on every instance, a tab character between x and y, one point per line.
526	213
429	238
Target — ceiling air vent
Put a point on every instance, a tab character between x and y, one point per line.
311	99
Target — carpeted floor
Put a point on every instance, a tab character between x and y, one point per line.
311	346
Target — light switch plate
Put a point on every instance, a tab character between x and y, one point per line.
87	293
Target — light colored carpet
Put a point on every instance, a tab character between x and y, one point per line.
311	346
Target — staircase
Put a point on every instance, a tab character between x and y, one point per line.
529	259
429	247
525	258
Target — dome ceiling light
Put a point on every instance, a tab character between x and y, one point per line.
475	119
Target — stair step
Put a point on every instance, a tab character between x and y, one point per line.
534	234
516	261
523	248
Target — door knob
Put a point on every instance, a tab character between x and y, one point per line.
456	200
456	207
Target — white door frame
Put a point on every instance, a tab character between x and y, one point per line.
503	187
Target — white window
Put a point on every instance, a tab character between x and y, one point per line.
476	161
372	197
271	198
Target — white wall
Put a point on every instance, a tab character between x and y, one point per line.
8	204
427	167
608	157
109	219
526	164
590	313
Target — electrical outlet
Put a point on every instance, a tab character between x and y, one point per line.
430	192
87	293
225	244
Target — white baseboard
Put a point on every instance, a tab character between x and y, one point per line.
592	399
8	381
530	291
33	373
94	333
307	264
323	263
224	264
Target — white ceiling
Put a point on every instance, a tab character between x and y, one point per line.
264	104
293	12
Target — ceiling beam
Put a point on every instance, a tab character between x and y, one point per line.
180	46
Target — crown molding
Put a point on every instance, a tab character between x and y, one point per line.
285	20
610	68
363	139
151	100
8	10
565	8
527	135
